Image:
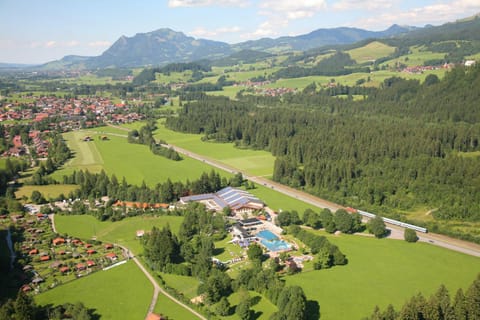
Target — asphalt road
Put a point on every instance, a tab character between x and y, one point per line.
396	231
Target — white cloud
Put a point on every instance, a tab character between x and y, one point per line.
204	3
73	43
291	9
345	5
266	29
99	44
202	32
431	14
50	44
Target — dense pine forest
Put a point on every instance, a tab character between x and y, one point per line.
404	146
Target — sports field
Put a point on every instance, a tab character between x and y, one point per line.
122	292
122	232
383	271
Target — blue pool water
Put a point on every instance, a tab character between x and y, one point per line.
272	242
267	235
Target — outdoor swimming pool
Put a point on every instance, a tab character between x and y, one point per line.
272	242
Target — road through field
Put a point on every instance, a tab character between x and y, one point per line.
397	232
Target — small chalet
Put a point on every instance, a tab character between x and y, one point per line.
64	269
44	258
80	266
112	256
154	316
90	263
58	241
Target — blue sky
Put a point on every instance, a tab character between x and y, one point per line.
37	31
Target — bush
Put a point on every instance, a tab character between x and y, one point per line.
377	227
410	235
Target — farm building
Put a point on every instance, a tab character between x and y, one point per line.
237	200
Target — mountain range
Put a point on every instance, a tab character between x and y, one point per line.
165	46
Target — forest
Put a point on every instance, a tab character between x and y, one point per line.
404	146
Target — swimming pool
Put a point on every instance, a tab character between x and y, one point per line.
272	242
267	235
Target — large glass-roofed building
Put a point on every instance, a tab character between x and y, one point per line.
239	201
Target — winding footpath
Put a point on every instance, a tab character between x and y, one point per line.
156	287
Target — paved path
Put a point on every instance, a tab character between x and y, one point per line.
156	287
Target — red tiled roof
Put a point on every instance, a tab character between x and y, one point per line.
58	241
64	269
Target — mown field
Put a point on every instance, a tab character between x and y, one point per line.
135	162
383	271
48	191
370	52
255	162
122	292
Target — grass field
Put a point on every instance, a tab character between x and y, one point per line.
173	311
186	285
122	232
371	51
256	162
48	191
133	161
383	271
278	201
119	293
262	307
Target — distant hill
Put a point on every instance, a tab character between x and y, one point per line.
320	38
165	46
159	47
9	66
67	62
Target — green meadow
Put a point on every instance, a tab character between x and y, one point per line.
133	293
122	232
48	191
173	311
262	307
279	201
372	51
184	284
135	162
383	271
255	162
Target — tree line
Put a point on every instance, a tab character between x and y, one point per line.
406	145
440	306
145	136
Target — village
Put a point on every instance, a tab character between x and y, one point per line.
52	113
